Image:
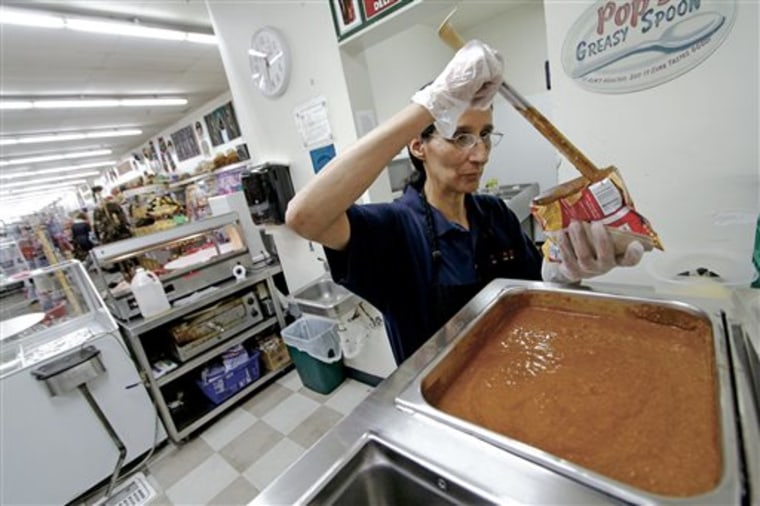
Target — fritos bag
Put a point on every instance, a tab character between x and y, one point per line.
606	200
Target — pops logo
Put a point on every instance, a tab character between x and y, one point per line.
621	47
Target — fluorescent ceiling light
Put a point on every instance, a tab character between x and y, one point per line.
20	197
133	102
30	18
100	25
68	103
109	27
201	38
38	188
16	104
51	158
68	136
56	170
34	182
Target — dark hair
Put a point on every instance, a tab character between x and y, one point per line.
417	178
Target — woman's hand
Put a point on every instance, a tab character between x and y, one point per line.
587	252
471	79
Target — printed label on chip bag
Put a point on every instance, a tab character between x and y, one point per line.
606	200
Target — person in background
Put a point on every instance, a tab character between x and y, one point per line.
110	220
422	257
80	236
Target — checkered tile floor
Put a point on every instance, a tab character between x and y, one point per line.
244	450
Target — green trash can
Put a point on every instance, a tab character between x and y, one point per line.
314	346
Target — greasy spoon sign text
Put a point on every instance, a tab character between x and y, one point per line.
625	46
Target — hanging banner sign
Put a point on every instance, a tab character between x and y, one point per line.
374	7
353	16
626	46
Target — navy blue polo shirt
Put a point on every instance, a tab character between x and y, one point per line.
388	260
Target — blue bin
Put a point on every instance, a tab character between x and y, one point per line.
224	385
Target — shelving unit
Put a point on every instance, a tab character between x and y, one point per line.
211	312
180	401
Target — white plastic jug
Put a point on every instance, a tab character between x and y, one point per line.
149	293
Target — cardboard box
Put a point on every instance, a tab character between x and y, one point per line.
274	353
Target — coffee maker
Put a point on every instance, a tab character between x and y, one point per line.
268	189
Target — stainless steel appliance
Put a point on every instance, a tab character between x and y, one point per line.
396	420
199	331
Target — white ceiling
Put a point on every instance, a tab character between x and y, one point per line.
37	62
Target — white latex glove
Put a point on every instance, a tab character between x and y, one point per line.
471	79
587	252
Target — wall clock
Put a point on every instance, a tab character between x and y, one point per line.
269	59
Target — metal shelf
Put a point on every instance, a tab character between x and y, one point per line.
136	331
142	325
213	352
188	429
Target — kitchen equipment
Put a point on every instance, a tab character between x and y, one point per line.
204	329
191	257
72	371
46	420
424	393
378	473
268	188
501	475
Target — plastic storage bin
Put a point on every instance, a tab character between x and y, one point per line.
314	346
224	385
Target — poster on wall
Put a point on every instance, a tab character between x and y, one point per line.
222	125
627	47
202	139
185	143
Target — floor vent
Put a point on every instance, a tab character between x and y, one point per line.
136	491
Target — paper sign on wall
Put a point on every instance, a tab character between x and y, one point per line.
312	123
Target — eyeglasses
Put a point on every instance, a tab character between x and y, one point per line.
468	141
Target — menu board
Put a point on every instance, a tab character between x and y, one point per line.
352	16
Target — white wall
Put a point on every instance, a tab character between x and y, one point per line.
267	124
401	63
519	34
688	149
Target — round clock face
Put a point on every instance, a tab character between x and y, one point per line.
270	61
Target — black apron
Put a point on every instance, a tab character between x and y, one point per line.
491	261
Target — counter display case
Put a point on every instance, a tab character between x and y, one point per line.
59	312
186	259
50	411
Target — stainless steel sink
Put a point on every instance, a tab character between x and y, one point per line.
324	297
380	475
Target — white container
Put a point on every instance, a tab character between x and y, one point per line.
149	293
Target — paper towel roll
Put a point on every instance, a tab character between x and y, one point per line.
239	272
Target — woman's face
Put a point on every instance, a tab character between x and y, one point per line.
453	169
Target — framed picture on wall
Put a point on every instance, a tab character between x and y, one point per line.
185	143
222	125
347	16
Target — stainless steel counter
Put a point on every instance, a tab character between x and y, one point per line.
455	459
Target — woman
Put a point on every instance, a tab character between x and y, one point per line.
80	236
420	258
